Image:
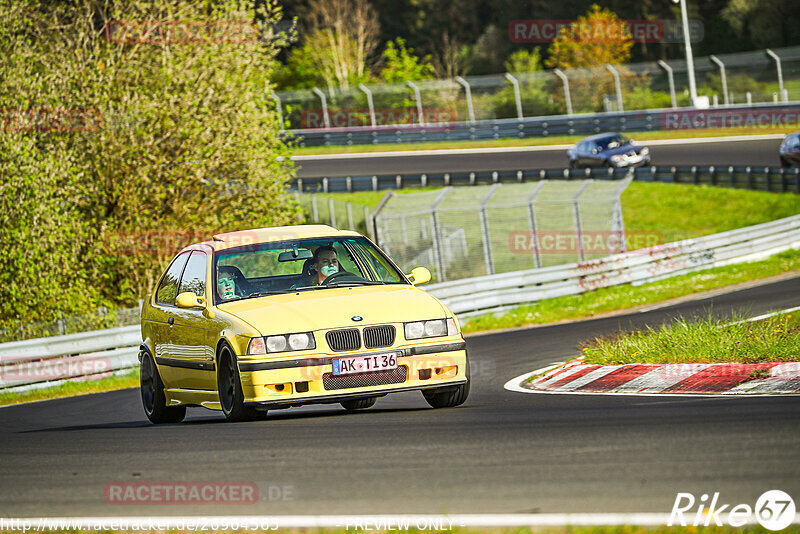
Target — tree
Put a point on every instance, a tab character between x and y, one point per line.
343	36
594	40
121	145
400	63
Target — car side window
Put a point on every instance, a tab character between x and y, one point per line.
168	288
194	275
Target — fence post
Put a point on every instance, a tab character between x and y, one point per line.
437	245
300	184
374	183
671	79
517	97
576	212
350	216
615	73
487	245
537	255
325	117
373	217
721	66
280	108
314	211
465	84
617	221
565	80
418	98
332	209
370	229
367	92
784	94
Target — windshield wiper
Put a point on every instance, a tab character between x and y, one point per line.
356	283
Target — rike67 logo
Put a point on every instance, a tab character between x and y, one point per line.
774	510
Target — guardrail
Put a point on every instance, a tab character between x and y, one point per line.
776	179
40	362
473	296
26	364
548	126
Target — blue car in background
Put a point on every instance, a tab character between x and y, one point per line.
790	150
607	150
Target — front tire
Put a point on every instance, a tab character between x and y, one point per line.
229	385
359	404
153	399
448	397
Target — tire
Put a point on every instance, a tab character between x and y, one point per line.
229	386
359	404
448	397
154	401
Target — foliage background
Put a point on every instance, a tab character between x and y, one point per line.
184	145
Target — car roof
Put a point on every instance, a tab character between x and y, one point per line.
595	137
271	234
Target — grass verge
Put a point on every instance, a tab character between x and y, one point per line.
621	297
662	213
73	388
533	141
708	340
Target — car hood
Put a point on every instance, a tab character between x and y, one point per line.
624	149
335	308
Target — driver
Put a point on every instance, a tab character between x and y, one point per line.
325	264
226	288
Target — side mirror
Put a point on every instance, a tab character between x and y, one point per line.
420	275
187	299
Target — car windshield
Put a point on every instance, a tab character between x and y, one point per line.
300	265
612	141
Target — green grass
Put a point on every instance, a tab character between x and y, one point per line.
73	388
532	141
621	297
707	340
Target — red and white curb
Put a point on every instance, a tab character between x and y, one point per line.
658	379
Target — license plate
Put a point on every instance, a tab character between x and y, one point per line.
364	364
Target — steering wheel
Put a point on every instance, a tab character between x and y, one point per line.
338	276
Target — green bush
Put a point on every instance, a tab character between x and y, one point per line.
147	145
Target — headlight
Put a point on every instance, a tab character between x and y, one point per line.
290	342
644	151
433	328
617	158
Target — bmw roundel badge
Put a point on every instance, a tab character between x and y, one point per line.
357	318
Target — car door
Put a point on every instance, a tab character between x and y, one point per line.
163	317
588	157
192	340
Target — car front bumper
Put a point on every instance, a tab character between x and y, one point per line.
309	380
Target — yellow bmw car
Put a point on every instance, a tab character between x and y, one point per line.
279	317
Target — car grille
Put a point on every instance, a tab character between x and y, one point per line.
378	336
347	339
376	378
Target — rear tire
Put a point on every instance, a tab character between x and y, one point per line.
359	404
229	385
153	399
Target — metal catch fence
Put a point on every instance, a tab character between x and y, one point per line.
475	231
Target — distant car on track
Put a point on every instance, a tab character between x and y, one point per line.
607	150
790	150
282	317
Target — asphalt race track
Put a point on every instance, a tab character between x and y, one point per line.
758	152
501	452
